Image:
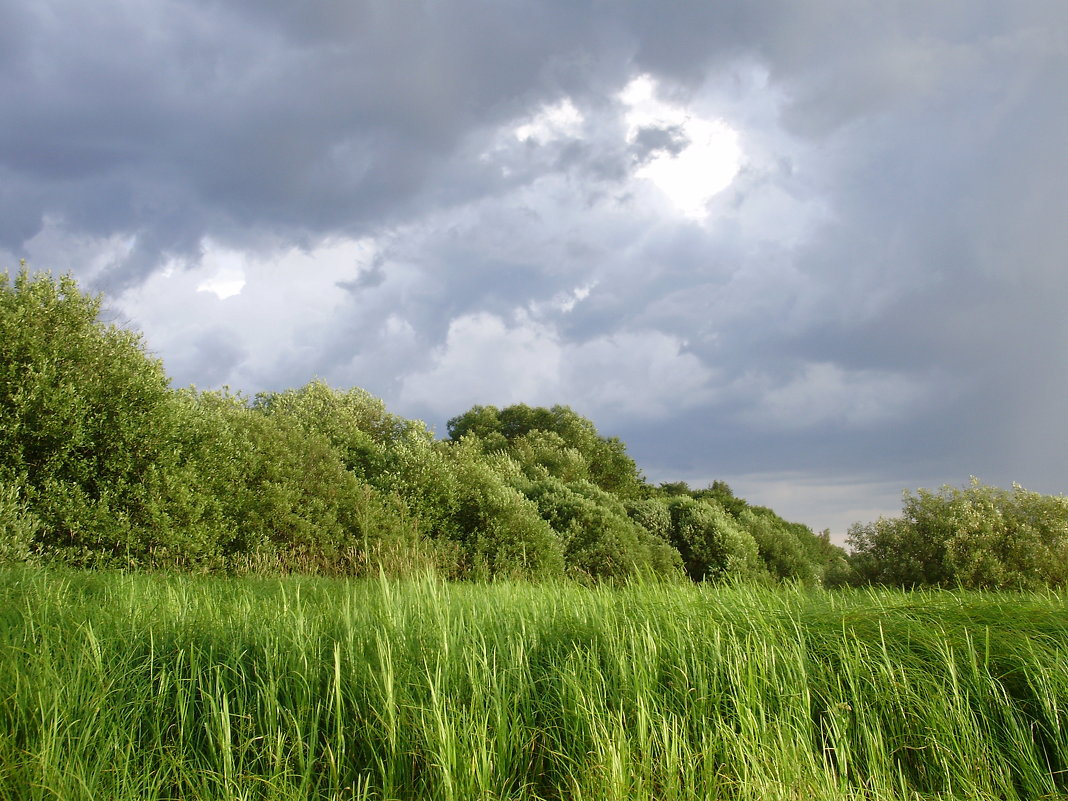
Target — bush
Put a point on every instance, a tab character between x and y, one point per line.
978	537
18	525
354	422
103	463
88	417
712	544
599	541
654	519
606	458
459	498
780	551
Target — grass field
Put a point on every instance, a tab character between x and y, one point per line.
120	686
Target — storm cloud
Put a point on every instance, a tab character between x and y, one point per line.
811	248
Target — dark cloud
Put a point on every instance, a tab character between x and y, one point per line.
212	118
653	140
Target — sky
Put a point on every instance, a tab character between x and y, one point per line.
813	248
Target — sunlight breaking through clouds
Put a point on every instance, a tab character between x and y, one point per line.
688	158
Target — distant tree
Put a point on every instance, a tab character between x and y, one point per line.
977	537
600	540
712	544
673	488
483	422
103	463
18	524
783	555
900	551
652	515
355	422
544	454
459	497
721	493
1006	539
609	466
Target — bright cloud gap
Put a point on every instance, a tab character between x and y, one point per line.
690	158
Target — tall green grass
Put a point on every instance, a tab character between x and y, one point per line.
118	686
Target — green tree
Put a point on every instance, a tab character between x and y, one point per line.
461	498
18	524
609	466
544	454
354	422
1006	539
782	554
712	544
652	515
87	417
483	422
600	541
721	493
976	537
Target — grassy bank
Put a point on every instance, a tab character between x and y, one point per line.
175	687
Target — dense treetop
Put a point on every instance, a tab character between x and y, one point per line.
102	462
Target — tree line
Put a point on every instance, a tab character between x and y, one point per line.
103	463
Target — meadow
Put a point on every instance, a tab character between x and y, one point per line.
166	686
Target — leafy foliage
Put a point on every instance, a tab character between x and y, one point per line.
606	458
710	541
87	415
18	525
787	551
102	462
977	537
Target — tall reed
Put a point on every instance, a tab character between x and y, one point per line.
177	687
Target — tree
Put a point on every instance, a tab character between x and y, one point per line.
541	454
782	554
721	493
461	498
87	417
712	544
355	422
976	537
600	541
608	463
483	422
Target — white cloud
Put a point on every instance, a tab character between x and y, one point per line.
223	286
485	359
61	248
704	166
559	121
562	302
823	393
279	305
226	270
642	375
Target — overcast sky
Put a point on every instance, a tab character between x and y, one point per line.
815	248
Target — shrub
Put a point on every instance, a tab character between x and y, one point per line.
460	498
608	464
18	525
88	417
977	537
712	544
780	551
354	422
